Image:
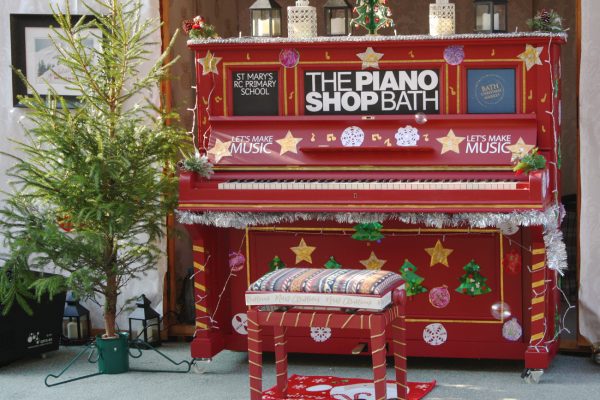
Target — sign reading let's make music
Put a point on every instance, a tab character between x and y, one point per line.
372	92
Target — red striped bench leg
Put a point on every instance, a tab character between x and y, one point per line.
377	327
254	355
399	347
281	366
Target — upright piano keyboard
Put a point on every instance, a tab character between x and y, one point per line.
305	135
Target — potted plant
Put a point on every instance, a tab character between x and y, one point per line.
94	182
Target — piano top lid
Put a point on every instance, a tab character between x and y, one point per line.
544	37
341	141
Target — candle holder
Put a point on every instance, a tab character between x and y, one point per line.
144	325
337	17
76	322
266	18
302	20
442	17
491	16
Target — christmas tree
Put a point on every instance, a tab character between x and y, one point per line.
372	15
93	184
332	264
472	283
370	232
276	264
412	281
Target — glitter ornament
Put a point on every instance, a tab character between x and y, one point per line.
236	261
512	262
512	330
439	297
454	55
289	58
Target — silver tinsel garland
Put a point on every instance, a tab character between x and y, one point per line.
549	219
358	39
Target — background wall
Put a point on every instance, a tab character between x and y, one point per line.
10	128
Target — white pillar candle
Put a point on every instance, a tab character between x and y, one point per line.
496	21
72	330
338	26
487	22
263	27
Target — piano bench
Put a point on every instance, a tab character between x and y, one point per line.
333	298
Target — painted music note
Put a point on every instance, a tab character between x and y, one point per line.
375	137
426	137
530	97
452	91
543	129
291	96
247	56
543	99
204	120
218	99
493	52
327	56
205	101
411	54
313	137
331	137
388	143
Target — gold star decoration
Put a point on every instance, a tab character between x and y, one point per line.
519	149
209	63
531	56
370	59
439	255
288	143
373	262
220	150
303	252
451	142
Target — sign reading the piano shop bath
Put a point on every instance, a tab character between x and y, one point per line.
255	93
372	92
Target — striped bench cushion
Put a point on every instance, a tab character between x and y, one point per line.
349	288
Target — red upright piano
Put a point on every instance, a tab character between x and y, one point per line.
311	141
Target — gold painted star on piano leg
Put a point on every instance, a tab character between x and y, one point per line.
220	150
439	255
531	56
373	262
288	143
370	59
303	252
450	142
519	149
209	63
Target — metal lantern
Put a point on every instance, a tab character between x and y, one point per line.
76	322
144	323
266	18
338	14
491	16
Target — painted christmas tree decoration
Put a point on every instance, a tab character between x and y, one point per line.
413	282
276	264
472	282
332	264
369	232
372	15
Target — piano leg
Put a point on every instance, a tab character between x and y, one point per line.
207	341
543	302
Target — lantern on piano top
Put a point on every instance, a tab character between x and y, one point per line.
491	16
338	14
442	17
76	322
144	324
266	18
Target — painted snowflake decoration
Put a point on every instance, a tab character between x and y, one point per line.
511	330
320	334
435	334
407	136
353	136
239	322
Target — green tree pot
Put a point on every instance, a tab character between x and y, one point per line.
113	354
